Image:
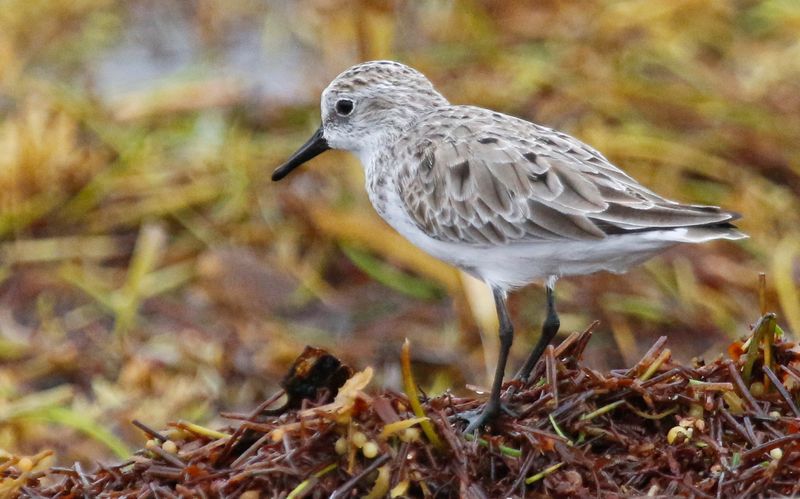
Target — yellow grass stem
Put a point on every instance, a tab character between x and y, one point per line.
398	426
166	201
413	398
558	429
382	483
202	430
710	386
61	248
543	473
602	410
302	486
652	368
656	416
148	251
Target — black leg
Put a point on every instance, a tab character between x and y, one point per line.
549	330
493	407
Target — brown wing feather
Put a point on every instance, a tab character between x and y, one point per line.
495	179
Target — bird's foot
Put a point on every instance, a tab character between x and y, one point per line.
478	418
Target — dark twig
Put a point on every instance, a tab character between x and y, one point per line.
782	390
149	431
743	390
768	446
166	456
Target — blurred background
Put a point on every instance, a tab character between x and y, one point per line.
150	269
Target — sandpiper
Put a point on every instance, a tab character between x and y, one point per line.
508	201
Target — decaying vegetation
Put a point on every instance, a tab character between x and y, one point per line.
728	428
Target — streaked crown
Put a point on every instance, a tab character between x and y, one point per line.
372	102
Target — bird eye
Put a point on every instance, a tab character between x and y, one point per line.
344	107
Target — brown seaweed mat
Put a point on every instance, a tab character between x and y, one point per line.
728	428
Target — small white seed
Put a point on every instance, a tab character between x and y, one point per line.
370	449
170	446
410	435
340	446
359	439
25	464
757	388
776	453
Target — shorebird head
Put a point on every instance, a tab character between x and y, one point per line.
365	106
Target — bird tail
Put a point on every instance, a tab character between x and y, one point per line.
705	233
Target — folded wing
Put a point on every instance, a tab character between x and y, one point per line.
492	179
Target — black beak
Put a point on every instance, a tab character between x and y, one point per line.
315	146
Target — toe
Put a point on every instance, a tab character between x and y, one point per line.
477	419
